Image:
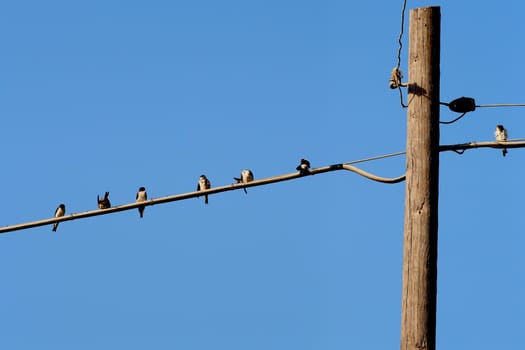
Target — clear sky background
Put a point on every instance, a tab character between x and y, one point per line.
112	95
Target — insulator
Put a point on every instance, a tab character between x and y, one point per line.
462	105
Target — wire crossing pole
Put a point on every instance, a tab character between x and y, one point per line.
418	319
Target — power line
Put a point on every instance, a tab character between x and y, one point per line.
453	120
396	75
376	157
464	105
502	105
179	197
458	148
399	40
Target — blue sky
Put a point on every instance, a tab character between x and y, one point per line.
113	95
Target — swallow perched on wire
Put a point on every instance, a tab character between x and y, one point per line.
246	176
60	211
304	167
202	185
501	135
104	203
141	196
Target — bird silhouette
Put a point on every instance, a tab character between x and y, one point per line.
104	203
304	167
60	211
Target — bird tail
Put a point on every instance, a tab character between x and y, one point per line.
141	212
55	226
245	191
206	199
504	152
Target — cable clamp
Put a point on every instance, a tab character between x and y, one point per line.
395	79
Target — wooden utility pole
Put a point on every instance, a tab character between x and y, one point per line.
418	319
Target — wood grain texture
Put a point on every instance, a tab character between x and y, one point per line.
418	319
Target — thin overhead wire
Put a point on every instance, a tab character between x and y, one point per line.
376	158
464	105
400	41
502	105
453	120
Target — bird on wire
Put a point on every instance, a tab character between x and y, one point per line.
246	176
60	211
501	135
141	196
202	185
304	167
104	203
